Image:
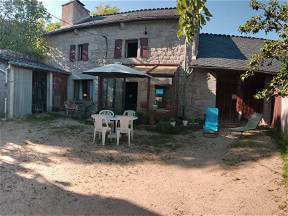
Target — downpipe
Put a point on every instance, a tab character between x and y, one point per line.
5	99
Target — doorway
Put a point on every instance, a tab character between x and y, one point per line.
131	95
39	92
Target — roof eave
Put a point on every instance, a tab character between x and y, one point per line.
92	24
230	68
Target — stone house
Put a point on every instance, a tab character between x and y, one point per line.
147	40
28	86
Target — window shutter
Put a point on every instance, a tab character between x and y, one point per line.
144	47
72	54
118	49
85	56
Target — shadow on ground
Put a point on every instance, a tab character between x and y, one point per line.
73	141
37	196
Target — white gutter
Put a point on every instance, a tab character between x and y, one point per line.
5	99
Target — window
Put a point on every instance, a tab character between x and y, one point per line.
83	89
161	97
83	52
131	48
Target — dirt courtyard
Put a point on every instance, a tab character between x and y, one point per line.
52	168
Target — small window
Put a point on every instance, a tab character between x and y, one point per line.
83	52
131	48
83	90
161	97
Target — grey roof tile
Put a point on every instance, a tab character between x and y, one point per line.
230	52
28	63
138	15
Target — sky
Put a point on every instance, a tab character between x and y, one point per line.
228	15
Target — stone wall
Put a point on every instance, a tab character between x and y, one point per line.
200	93
164	46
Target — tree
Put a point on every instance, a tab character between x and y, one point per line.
52	26
273	17
193	15
22	26
102	10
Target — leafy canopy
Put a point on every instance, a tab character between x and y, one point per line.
22	26
102	10
53	26
273	17
193	15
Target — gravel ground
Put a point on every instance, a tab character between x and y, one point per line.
52	167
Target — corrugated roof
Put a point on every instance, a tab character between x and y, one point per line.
229	52
28	63
129	16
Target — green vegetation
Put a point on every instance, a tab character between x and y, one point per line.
273	18
193	15
164	127
22	26
52	26
40	118
282	142
102	10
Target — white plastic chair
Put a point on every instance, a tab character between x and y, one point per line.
130	113
123	127
106	113
100	126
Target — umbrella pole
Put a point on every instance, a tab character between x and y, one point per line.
100	93
148	93
114	94
124	94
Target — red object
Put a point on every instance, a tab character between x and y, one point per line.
277	111
118	49
144	47
85	56
72	54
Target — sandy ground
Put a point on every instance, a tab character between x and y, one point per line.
54	169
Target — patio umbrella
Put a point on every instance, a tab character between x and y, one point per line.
116	71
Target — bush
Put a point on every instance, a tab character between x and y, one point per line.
165	127
143	117
282	142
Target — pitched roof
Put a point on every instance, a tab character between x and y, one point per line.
229	52
28	63
130	16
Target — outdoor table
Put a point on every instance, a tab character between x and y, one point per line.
114	119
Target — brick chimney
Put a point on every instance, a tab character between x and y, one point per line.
73	12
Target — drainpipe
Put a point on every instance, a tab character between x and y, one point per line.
5	99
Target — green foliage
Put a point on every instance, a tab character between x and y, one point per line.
282	143
164	127
52	26
22	26
143	117
273	18
102	10
193	15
